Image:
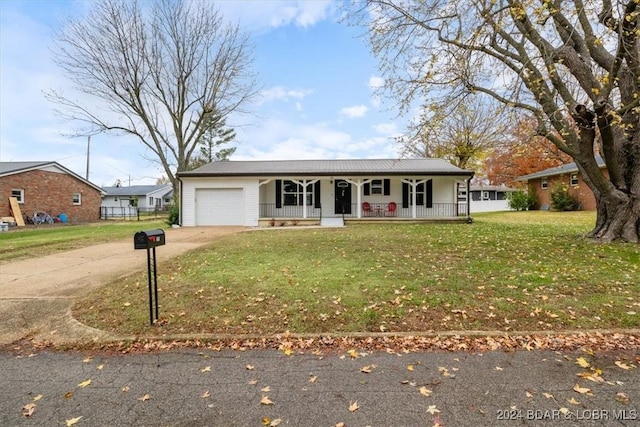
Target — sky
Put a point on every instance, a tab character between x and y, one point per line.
317	102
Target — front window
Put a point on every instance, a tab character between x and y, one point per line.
376	186
18	193
485	195
544	184
420	192
574	179
77	198
293	194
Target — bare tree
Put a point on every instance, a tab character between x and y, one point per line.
155	70
573	65
464	133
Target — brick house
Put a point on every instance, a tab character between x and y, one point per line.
48	187
541	183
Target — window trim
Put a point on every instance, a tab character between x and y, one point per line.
299	193
19	190
77	202
377	186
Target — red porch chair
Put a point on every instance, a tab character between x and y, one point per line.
391	209
367	210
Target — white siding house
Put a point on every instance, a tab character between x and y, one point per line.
253	193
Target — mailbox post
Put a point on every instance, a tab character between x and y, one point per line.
149	240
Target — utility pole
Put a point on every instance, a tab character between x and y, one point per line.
88	147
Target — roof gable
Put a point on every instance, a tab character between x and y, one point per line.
558	170
13	168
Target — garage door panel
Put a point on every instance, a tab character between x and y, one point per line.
220	206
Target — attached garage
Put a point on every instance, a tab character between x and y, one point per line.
220	206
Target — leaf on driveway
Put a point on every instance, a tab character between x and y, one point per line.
573	401
353	354
205	394
433	410
622	397
88	359
84	384
313	378
581	390
288	351
425	391
266	401
206	369
100	367
28	409
582	362
276	422
548	395
409	367
125	389
353	406
72	421
36	398
266	389
623	365
145	397
250	367
367	369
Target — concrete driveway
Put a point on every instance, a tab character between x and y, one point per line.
36	294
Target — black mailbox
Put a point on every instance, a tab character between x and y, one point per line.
148	239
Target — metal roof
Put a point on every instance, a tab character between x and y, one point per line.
328	168
137	190
558	170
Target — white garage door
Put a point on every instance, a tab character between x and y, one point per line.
220	206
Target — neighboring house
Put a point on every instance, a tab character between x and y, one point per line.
253	193
48	187
126	200
490	198
541	183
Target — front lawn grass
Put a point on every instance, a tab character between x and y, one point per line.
36	241
514	271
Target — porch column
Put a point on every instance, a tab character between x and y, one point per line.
304	184
468	198
414	185
359	183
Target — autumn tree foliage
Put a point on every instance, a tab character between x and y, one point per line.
574	65
523	153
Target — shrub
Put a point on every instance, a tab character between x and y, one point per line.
174	215
521	200
562	200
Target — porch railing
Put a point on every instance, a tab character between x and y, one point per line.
438	210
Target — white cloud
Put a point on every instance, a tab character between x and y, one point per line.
355	111
279	93
376	82
390	129
264	15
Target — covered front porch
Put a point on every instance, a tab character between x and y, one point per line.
309	200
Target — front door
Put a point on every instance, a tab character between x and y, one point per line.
342	190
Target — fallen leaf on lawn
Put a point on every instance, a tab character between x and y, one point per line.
582	362
28	409
72	421
250	367
624	366
581	390
433	410
127	304
145	397
84	384
266	401
573	401
313	378
206	369
367	369
409	367
425	391
266	389
205	394
36	398
353	406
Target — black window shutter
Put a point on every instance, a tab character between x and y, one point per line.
405	195
316	190
278	193
367	189
430	193
387	187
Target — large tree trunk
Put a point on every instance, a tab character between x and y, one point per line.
618	218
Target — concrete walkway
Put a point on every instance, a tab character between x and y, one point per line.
36	294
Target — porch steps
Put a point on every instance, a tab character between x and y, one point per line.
332	222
